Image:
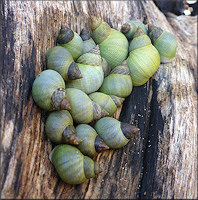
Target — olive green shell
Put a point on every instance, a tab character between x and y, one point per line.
72	166
83	109
109	129
45	84
106	101
113	44
143	60
165	43
106	67
92	73
75	46
88	135
56	123
59	59
81	106
132	28
118	82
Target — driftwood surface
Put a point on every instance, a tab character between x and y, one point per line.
161	162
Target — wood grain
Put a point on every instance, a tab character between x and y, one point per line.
161	161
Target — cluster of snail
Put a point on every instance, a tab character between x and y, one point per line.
87	79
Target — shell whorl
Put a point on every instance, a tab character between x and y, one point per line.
118	82
140	39
92	58
60	100
121	69
110	103
98	111
117	100
139	32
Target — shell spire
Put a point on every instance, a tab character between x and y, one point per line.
85	34
125	28
65	35
100	145
74	72
69	136
60	100
128	130
95	22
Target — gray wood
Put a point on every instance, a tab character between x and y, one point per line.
161	161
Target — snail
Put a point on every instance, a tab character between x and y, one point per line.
72	166
130	27
143	60
108	102
49	92
83	109
113	44
118	82
164	42
91	70
92	143
89	44
115	134
60	60
59	128
71	41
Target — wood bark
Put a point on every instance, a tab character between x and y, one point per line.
161	162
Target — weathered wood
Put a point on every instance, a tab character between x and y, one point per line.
161	162
186	30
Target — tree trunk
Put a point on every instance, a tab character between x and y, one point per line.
161	162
